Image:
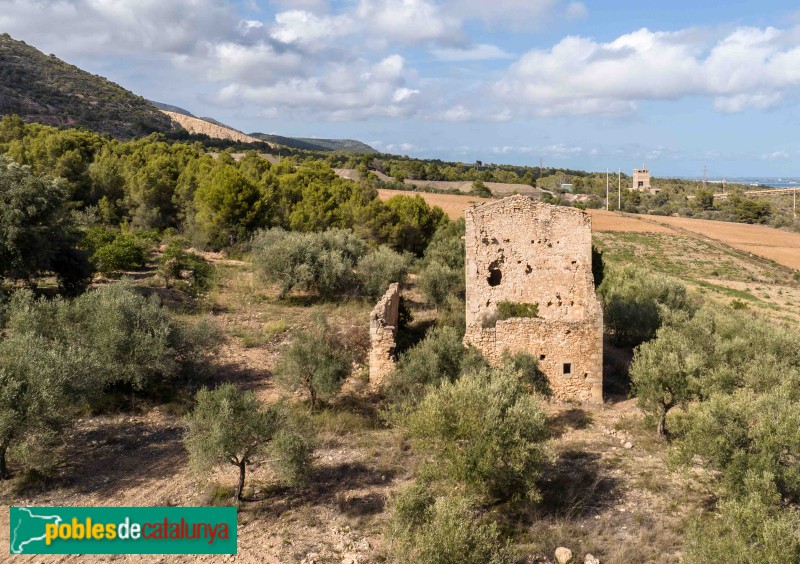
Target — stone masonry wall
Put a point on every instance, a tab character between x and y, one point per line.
382	333
526	252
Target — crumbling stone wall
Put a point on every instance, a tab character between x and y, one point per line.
522	251
382	334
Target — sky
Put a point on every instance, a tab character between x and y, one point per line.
586	84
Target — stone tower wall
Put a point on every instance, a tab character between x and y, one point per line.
525	252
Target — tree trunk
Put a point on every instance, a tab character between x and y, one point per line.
4	475
662	423
240	487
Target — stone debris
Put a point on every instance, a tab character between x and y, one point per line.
563	555
590	559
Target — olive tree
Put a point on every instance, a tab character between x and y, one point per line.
38	386
315	362
229	425
664	374
485	431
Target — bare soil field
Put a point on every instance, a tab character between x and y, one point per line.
781	246
452	204
497	188
616	222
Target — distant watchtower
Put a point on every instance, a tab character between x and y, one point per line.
641	178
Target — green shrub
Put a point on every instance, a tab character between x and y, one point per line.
37	235
527	367
637	303
484	431
453	314
739	304
439	282
62	354
320	262
447	530
125	252
175	264
664	374
507	310
440	356
743	432
381	267
315	362
754	528
447	245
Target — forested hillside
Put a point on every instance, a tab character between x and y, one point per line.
45	89
311	144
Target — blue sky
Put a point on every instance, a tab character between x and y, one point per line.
580	84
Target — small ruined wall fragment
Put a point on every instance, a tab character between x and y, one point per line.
382	334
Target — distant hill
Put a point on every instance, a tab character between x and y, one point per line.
213	129
171	108
311	144
45	89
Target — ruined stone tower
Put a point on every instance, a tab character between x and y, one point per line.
522	256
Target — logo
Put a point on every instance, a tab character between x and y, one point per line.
122	530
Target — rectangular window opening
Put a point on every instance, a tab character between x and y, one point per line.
567	368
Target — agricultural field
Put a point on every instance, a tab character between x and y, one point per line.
782	247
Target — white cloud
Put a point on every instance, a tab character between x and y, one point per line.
749	68
515	14
298	26
740	102
776	156
457	113
479	52
409	21
87	26
576	11
245	64
316	6
353	91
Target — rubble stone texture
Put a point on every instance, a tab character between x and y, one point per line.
382	334
526	252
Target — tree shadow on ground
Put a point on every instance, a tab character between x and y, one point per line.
616	364
571	419
119	456
575	486
330	485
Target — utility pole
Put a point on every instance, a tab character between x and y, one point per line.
606	188
619	189
705	176
794	203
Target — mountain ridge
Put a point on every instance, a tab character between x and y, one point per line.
44	89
